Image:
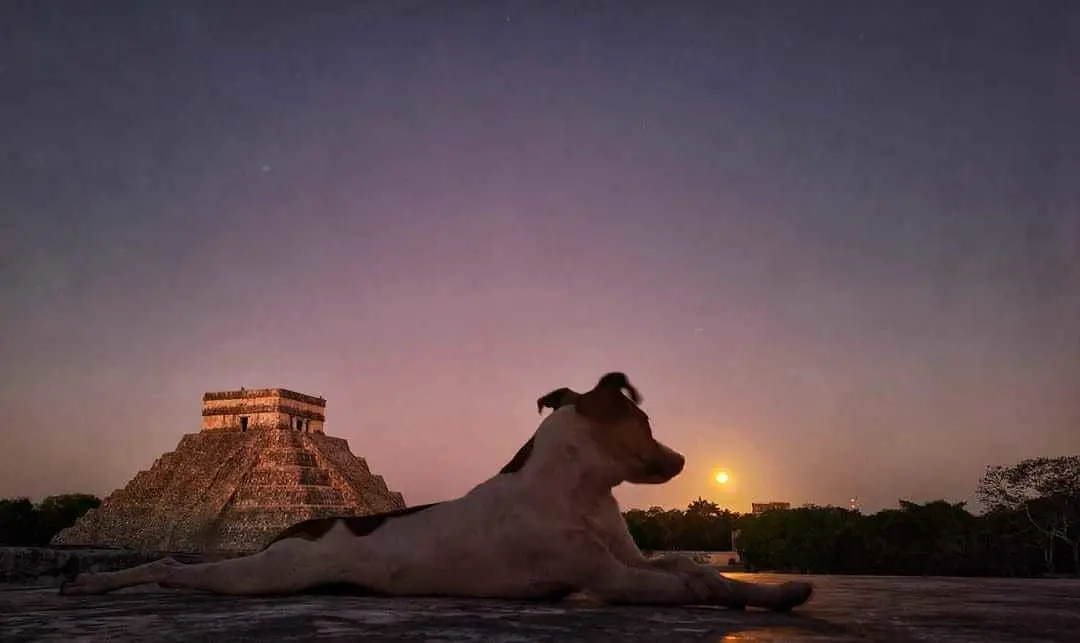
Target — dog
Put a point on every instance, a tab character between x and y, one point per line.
545	527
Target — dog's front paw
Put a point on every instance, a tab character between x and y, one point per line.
792	594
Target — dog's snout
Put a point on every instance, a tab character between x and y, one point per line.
675	464
666	464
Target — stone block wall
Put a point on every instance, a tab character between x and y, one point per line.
351	474
262	409
233	491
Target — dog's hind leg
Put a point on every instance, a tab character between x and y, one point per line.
287	566
103	582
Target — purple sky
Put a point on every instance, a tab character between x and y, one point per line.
838	251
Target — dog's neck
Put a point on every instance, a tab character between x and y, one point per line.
562	462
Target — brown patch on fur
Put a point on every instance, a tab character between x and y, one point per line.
360	526
517	463
554	401
618	425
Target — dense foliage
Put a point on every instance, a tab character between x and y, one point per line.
24	523
703	526
936	538
1031	527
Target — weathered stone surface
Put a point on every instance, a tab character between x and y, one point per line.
844	609
234	490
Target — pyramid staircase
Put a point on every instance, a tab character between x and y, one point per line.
234	491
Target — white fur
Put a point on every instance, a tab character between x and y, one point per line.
550	529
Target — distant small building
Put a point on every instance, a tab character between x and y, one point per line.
758	508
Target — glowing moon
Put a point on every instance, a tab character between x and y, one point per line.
722	477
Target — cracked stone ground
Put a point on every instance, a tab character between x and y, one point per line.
845	608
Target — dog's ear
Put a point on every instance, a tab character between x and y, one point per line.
621	383
557	399
606	403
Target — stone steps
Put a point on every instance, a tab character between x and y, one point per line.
285	496
234	491
286	475
282	458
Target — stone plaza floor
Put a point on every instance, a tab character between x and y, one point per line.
844	608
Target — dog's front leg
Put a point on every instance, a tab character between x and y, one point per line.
620	544
641	585
778	597
614	581
724	591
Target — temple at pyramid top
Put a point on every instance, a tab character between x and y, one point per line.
261	463
262	408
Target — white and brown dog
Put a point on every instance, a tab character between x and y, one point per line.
545	527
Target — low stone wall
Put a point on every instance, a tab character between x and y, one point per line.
715	558
50	565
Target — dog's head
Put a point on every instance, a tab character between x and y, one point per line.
616	431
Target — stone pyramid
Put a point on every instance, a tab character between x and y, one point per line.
260	464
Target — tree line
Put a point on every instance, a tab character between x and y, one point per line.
1031	527
27	524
